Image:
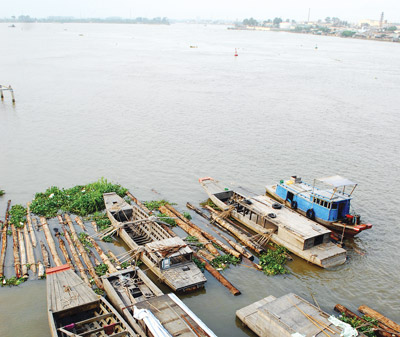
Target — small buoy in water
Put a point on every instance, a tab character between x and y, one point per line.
316	46
236	54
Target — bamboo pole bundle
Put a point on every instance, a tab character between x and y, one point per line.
233	230
219	277
50	241
75	257
64	251
83	253
191	231
80	223
29	251
207	235
383	330
102	255
28	219
4	240
22	252
45	254
379	317
17	262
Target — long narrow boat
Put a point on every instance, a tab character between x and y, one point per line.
75	310
329	207
147	309
301	236
170	258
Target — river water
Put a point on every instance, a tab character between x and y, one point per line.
137	105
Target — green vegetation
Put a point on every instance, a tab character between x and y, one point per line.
101	220
155	204
9	232
348	33
367	329
98	291
2	192
187	215
101	269
81	200
166	218
125	264
13	281
199	264
391	29
217	246
83	239
273	261
224	261
194	241
210	203
18	215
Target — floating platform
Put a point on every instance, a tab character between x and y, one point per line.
290	316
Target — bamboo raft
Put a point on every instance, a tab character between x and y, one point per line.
75	310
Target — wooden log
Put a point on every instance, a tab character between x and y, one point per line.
40	270
379	317
80	223
17	261
4	240
141	205
198	211
103	256
238	247
381	332
50	242
205	254
207	235
45	255
218	276
114	258
30	227
35	224
64	251
191	231
94	224
75	256
83	253
22	252
29	251
233	230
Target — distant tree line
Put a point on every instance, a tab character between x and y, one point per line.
67	19
254	23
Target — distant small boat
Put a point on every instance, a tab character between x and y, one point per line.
329	207
11	26
75	310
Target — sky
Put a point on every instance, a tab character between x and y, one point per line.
348	10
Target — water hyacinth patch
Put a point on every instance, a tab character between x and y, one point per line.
18	216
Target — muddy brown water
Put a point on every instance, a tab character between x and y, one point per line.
137	105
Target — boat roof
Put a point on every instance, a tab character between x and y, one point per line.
337	181
168	247
66	290
114	202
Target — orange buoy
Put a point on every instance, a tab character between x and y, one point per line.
236	53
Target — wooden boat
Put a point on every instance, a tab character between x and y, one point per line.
329	207
170	258
290	316
75	310
301	236
131	291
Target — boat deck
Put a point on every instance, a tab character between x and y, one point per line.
67	291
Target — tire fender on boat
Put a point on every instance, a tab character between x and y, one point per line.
293	204
310	213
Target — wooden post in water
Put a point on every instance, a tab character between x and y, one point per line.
50	241
22	253
12	93
17	261
29	251
4	240
1	92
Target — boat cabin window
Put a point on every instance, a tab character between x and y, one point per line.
334	205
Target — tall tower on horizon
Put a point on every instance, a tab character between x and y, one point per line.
381	20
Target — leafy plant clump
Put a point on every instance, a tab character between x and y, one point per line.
166	218
2	192
81	199
367	329
101	269
194	241
274	260
12	281
199	264
18	216
98	291
187	215
224	261
153	205
125	264
83	238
